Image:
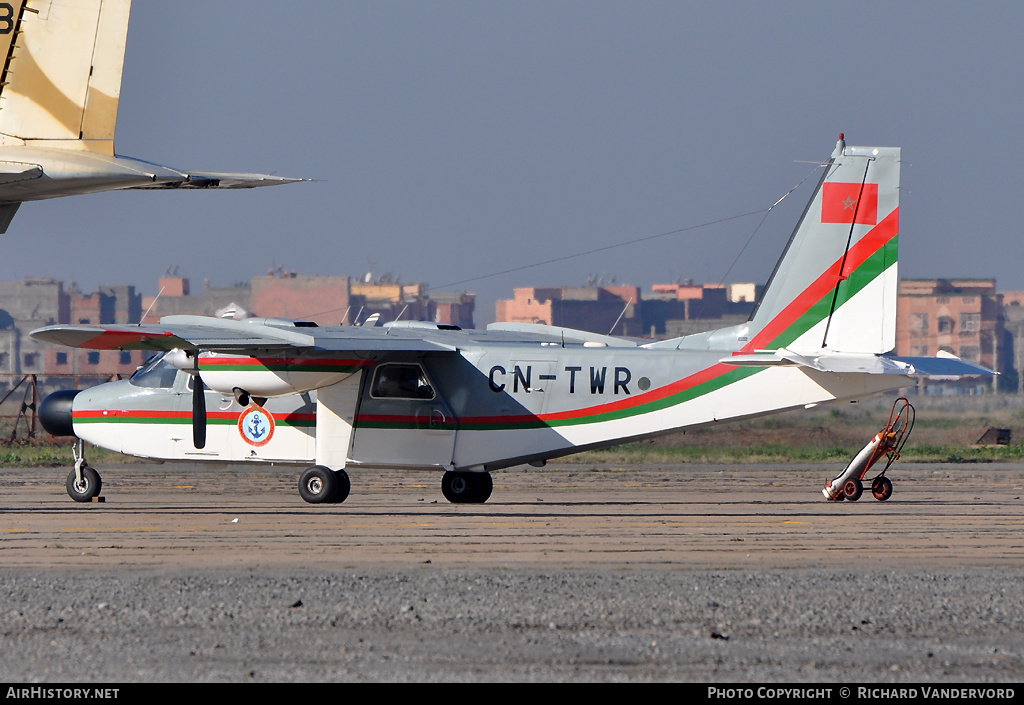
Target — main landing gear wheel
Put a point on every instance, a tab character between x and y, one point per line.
343	487
466	487
319	485
85	489
853	489
881	488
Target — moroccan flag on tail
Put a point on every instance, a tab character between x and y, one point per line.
849	203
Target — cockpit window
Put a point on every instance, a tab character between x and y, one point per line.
157	373
401	381
188	384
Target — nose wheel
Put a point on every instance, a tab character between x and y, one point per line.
83	483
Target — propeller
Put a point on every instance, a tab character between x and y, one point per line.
198	407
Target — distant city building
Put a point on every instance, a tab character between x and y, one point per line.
328	300
34	302
963	317
174	297
668	310
600	309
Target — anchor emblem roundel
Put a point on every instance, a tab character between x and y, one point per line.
256	425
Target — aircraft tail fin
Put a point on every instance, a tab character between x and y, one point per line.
61	79
835	286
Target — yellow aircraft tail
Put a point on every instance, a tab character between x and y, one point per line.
61	78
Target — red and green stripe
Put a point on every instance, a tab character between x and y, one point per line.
282	364
213	418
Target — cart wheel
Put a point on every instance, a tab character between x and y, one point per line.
881	488
853	489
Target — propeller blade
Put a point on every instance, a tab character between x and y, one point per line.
198	409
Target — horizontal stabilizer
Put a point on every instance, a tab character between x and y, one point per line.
13	172
61	64
221	180
943	366
862	363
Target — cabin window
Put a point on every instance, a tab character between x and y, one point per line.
401	381
189	384
157	373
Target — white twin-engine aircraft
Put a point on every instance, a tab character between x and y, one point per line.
416	395
60	86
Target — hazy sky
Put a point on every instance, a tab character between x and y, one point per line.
451	140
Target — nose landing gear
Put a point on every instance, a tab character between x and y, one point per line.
83	483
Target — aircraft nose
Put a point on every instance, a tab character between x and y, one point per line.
55	412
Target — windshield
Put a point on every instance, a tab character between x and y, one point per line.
156	373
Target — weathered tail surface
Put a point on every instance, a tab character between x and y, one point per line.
59	92
61	78
834	289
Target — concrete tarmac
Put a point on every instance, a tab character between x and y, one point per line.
674	517
849	588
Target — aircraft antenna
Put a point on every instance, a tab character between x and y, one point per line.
764	217
397	317
624	309
151	305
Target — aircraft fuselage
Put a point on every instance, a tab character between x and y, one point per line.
480	408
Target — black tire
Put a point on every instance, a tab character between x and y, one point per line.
344	486
318	485
486	485
881	488
459	487
466	487
88	488
853	489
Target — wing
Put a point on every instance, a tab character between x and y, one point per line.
223	335
268	334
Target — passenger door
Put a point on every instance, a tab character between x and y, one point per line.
403	421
